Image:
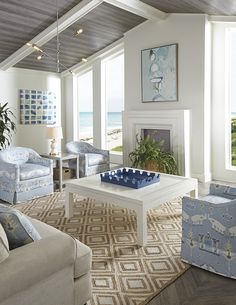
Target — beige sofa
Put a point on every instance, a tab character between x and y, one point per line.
52	271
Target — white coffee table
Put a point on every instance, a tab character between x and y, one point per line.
139	200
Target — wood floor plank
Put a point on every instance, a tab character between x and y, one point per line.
198	287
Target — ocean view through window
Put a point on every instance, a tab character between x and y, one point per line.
85	100
86	126
101	102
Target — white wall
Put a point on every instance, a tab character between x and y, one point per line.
219	106
189	32
11	81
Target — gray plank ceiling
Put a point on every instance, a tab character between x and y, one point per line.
21	20
210	7
101	27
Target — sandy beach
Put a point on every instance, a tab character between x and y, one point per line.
114	138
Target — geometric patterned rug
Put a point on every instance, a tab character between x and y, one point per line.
122	272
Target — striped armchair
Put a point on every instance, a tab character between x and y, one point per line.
209	231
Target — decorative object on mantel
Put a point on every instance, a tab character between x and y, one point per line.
37	107
7	125
159	74
130	177
54	133
149	155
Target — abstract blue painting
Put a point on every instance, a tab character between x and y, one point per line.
38	107
159	74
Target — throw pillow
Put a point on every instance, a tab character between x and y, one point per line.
4	246
18	227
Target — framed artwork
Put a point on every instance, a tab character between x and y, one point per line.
159	74
38	107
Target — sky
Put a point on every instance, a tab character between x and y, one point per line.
114	87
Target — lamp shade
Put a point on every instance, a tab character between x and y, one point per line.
54	132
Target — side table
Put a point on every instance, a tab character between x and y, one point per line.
59	164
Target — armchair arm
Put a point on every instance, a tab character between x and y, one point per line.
36	159
100	151
223	191
9	171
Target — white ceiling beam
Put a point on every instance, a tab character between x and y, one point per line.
139	8
77	12
226	19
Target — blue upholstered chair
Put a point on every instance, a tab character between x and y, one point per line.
209	231
24	175
91	160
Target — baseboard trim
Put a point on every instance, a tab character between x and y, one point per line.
207	177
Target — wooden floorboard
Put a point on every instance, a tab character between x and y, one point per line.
198	287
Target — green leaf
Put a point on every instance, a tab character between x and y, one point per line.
148	149
7	125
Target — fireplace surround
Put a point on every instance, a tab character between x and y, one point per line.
175	125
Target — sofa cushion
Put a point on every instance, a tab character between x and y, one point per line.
4	246
96	159
18	227
83	259
31	171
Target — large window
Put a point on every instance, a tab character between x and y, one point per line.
114	99
231	111
85	100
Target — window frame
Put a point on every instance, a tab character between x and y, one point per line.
115	156
228	102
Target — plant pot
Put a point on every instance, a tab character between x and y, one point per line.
151	165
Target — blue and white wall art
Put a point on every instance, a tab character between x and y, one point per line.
38	107
159	74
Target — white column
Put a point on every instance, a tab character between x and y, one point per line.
99	123
71	108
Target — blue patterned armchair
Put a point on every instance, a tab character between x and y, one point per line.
91	160
24	175
209	231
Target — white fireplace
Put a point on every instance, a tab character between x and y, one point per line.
173	124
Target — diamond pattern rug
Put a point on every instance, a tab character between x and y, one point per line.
122	272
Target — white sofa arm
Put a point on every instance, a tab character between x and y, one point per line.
34	262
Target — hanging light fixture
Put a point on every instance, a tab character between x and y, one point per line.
78	32
43	53
39	57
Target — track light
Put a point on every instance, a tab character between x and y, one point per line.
78	32
39	57
37	48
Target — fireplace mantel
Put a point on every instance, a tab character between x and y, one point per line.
177	121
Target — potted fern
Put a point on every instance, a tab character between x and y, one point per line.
150	155
7	125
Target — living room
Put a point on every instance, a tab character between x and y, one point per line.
199	121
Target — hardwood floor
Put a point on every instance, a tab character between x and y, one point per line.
198	287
